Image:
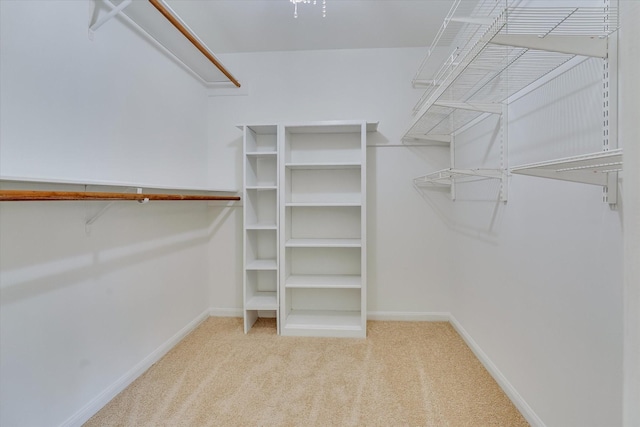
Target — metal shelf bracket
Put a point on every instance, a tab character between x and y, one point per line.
106	17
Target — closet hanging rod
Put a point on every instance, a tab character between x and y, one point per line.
185	32
35	195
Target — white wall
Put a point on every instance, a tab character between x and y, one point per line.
538	283
80	312
407	239
114	108
630	134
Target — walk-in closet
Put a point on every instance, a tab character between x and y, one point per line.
327	213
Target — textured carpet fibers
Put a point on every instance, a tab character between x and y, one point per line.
403	374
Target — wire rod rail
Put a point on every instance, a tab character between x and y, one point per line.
37	195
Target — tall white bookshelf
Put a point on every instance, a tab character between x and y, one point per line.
323	231
260	220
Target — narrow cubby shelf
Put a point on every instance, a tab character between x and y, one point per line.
262	264
323	243
261	153
262	300
339	322
260	209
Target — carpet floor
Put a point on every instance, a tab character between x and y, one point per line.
403	374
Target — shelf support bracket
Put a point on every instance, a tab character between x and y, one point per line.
573	45
472	106
104	18
106	207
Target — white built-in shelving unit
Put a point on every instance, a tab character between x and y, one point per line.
305	227
496	51
323	233
260	231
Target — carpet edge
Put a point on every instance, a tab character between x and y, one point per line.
98	402
527	412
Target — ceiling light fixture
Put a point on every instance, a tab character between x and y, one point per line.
295	6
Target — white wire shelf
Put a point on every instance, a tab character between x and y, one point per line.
593	168
497	53
446	177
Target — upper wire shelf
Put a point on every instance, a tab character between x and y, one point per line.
498	52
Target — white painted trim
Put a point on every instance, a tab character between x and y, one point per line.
225	312
97	403
526	410
409	316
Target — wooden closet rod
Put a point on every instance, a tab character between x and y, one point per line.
185	32
27	196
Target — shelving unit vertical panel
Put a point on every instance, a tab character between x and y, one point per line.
363	227
284	177
260	288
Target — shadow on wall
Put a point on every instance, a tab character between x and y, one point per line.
478	150
66	256
484	227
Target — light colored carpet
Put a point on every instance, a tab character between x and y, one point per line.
403	374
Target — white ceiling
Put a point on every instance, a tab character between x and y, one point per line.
229	26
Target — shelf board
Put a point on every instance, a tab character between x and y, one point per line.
323	243
324	319
593	168
261	226
332	165
324	281
261	153
262	264
262	301
323	205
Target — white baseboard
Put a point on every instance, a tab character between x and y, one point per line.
409	316
526	410
91	408
225	312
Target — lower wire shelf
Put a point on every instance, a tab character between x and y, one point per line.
447	176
